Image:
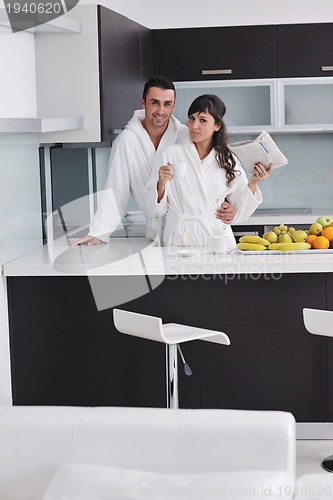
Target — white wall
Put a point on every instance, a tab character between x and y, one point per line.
18	80
19	174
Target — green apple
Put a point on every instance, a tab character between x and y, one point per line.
324	220
299	236
316	228
270	236
285	238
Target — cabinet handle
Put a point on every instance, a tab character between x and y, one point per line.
216	71
327	68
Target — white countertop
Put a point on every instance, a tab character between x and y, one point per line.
139	256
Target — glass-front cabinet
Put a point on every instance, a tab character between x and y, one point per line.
305	104
251	104
298	113
274	105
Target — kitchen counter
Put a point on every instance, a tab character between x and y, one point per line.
139	256
65	349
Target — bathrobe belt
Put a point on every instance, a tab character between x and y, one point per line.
180	220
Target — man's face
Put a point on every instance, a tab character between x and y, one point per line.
158	106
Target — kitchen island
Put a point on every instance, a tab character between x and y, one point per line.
65	349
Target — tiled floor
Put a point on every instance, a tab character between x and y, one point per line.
310	453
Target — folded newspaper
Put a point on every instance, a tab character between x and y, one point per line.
262	149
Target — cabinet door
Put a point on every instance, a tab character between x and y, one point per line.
52	341
251	104
125	60
272	362
216	53
305	50
306	104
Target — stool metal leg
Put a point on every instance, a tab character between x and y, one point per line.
171	363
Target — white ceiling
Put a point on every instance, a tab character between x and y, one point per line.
189	13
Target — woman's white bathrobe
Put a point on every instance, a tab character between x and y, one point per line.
190	202
130	167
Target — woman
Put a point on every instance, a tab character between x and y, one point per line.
192	202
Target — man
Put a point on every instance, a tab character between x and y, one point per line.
150	130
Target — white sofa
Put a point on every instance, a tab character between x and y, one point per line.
235	449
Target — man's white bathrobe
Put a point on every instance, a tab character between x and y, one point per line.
130	167
190	202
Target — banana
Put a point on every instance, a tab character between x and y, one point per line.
284	247
250	246
254	239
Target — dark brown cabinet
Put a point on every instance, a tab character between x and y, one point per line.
65	352
273	363
126	62
220	53
304	50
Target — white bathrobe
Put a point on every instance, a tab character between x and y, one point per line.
130	167
190	202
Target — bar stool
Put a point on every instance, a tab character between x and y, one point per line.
320	322
171	334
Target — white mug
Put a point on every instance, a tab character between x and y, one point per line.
220	243
179	169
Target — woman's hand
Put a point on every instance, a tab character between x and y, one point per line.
165	173
226	212
260	174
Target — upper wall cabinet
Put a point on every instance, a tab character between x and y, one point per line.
97	73
305	50
216	53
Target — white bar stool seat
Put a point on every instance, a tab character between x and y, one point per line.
320	322
171	334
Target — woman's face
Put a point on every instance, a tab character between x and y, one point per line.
202	127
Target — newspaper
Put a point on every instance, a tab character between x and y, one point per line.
262	149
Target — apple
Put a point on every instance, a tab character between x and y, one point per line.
316	228
270	236
285	238
299	236
324	220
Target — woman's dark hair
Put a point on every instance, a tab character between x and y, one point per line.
216	108
163	82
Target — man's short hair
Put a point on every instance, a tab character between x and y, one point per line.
163	82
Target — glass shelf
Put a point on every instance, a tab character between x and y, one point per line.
26	125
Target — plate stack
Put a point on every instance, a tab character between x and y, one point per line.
135	223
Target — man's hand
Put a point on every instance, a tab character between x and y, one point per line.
226	213
86	240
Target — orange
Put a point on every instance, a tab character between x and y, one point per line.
328	233
310	239
321	242
331	225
